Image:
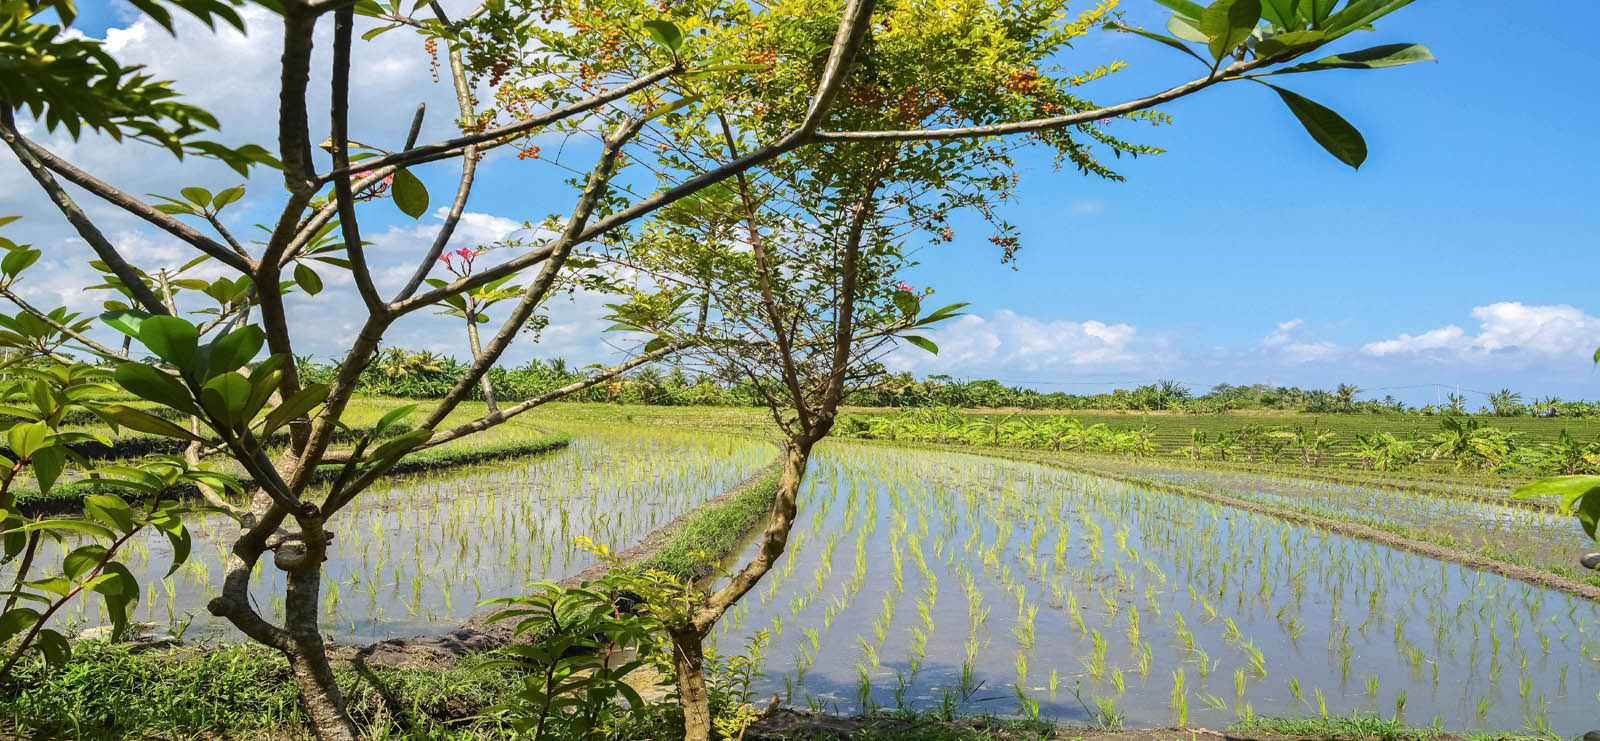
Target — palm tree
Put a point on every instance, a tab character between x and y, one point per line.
1506	403
1345	394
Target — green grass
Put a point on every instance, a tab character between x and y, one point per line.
1355	727
68	498
716	532
108	692
1172	431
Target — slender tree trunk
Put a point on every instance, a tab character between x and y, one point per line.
308	656
483	381
689	657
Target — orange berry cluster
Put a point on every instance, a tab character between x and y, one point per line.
432	45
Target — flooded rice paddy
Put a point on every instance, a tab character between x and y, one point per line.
1522	534
945	581
418	553
934	580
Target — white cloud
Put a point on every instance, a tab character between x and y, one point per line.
1007	342
1287	345
1509	332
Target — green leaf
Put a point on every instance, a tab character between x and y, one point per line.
1168	40
923	343
410	195
151	384
1329	129
134	419
18	260
1282	13
401	445
47	465
906	303
1356	15
83	559
1317	11
198	196
1186	29
57	652
394	415
1569	488
26	437
82	527
308	280
227	196
171	526
1227	23
665	34
1377	57
126	321
109	509
225	398
1589	512
1293	41
673	106
57	585
1185	8
262	385
294	407
16	621
233	350
171	339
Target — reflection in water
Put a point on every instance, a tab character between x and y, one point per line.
924	579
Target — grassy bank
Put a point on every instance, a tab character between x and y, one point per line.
68	498
715	532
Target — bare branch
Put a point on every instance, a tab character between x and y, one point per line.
536	291
469	169
853	28
339	107
451	147
294	129
75	216
1232	72
110	194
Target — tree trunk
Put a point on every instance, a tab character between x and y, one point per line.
483	381
307	655
689	657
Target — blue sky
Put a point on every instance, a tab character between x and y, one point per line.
1461	252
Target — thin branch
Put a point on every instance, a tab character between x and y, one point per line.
469	169
853	28
294	129
239	249
535	293
110	194
339	108
1230	73
450	147
75	216
59	327
769	302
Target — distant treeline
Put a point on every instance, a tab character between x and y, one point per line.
423	375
